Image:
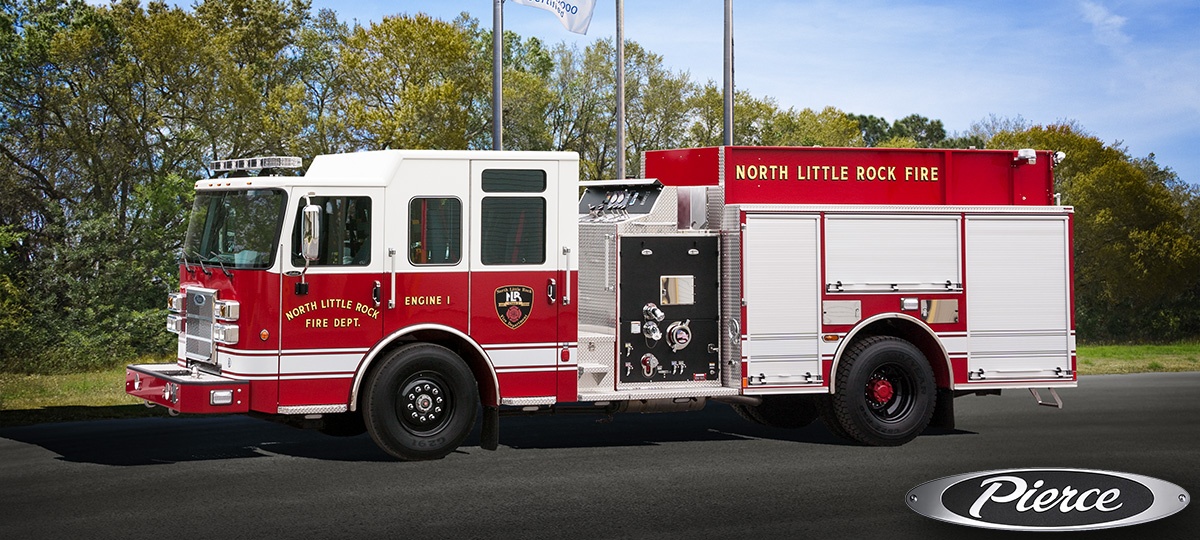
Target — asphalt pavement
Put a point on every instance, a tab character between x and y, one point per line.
706	474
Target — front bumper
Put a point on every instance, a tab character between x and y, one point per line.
187	391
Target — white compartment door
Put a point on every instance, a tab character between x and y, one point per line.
781	277
1018	298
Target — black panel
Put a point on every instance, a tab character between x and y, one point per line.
644	262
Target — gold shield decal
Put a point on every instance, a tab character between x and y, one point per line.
514	303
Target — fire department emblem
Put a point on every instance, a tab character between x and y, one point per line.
514	303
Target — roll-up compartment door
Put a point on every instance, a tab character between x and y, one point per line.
781	277
1018	295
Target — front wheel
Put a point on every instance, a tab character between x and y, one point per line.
420	403
885	392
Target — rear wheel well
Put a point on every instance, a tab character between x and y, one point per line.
910	330
488	393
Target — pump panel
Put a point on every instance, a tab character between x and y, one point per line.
669	307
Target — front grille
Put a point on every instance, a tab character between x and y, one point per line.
199	342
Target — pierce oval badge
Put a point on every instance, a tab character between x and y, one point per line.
1047	499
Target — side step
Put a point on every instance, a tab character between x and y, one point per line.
1057	403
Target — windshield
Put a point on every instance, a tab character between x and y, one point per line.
237	229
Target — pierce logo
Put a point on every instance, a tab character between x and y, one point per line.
514	303
1047	499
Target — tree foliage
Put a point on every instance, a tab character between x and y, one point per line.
109	113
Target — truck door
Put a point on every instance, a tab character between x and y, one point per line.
517	273
331	312
781	276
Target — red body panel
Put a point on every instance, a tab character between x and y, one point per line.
858	175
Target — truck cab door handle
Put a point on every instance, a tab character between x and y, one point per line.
375	294
552	291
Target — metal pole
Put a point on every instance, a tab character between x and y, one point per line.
620	89
728	72
497	70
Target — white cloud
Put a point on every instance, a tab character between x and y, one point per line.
1106	26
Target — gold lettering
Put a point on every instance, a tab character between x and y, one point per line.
921	174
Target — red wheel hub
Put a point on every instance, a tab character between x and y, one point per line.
881	390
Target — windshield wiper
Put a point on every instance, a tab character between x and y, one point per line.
200	263
183	257
217	259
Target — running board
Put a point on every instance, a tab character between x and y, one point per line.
1057	403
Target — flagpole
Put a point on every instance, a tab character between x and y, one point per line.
497	71
728	72
620	89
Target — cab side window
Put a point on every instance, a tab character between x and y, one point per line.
513	227
345	232
434	231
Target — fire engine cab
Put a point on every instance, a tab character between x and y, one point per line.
400	292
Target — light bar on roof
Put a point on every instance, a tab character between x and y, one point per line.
263	162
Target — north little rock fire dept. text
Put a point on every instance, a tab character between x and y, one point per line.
335	322
837	173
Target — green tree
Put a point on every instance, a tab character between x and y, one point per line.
318	62
656	105
752	118
830	127
874	129
414	82
927	133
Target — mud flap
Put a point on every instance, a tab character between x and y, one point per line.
489	437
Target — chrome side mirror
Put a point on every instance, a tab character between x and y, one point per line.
310	233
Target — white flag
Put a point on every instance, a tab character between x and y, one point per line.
575	15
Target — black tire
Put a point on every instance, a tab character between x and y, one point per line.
347	424
789	412
885	392
421	402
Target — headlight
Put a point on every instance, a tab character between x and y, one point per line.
225	334
175	324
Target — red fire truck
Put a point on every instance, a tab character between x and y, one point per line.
400	292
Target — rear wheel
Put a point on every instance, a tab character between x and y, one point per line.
780	411
421	402
885	392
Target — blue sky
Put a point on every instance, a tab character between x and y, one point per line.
1124	70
